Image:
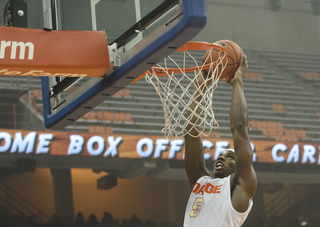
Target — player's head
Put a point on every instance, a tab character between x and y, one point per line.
225	164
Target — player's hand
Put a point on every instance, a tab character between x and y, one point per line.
204	79
243	67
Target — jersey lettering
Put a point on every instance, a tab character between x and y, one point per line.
196	207
206	188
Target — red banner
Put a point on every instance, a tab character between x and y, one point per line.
36	52
15	142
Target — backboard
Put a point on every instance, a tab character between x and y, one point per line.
140	33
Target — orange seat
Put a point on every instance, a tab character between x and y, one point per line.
278	108
100	129
90	115
253	76
256	124
121	117
123	93
272	132
309	75
279	125
100	115
259	76
280	138
104	116
292	139
116	117
126	93
301	133
37	93
127	117
119	93
291	132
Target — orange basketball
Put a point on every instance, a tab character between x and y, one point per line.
234	53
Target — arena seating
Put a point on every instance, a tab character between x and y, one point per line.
279	88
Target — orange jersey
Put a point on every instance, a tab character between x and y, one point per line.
210	205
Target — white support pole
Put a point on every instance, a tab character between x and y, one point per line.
93	4
47	14
138	15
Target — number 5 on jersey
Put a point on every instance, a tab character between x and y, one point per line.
196	208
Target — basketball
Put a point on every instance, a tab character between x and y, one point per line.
234	53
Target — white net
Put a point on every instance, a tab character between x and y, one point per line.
187	95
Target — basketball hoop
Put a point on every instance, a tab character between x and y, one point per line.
176	92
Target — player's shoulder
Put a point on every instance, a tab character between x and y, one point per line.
205	177
210	178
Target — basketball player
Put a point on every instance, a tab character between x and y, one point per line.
224	199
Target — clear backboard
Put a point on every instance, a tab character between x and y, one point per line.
140	33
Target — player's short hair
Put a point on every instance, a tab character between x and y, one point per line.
229	149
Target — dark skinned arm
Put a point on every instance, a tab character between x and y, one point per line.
194	157
239	123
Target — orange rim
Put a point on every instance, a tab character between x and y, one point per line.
193	45
187	47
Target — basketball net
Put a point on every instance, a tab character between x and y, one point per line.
176	94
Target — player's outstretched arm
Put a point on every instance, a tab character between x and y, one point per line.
239	124
194	158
